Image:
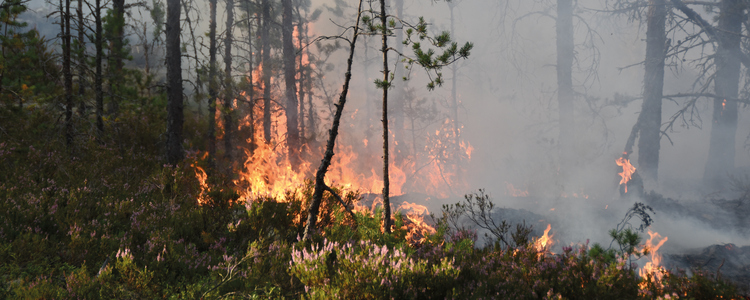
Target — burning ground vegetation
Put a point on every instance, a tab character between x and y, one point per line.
138	230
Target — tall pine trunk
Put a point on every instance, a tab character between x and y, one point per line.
115	54
212	89
175	152
290	70
265	28
68	76
721	149
98	80
649	122
81	61
228	83
251	83
385	85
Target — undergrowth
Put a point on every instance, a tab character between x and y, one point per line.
108	220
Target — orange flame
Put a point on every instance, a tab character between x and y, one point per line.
201	175
418	229
627	170
653	267
545	242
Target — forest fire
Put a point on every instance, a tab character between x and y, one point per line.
545	242
627	170
653	268
418	229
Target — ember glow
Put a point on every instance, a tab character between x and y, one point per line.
627	171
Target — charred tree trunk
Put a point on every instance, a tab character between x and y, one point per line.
175	152
98	80
292	123
320	185
212	89
721	149
565	93
266	68
228	83
653	84
81	61
385	85
68	76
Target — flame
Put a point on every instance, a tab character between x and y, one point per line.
653	267
512	191
627	170
545	242
418	230
201	175
266	171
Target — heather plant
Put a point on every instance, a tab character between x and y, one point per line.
365	270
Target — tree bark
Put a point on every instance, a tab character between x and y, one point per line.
386	85
565	93
650	118
251	83
721	149
320	186
175	119
228	84
266	68
98	80
290	70
68	76
212	89
81	61
118	8
302	80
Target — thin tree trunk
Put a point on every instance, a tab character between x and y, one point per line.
98	82
68	76
212	89
175	152
301	82
228	89
266	26
292	128
251	83
721	149
320	186
650	118
81	61
118	8
565	93
386	85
